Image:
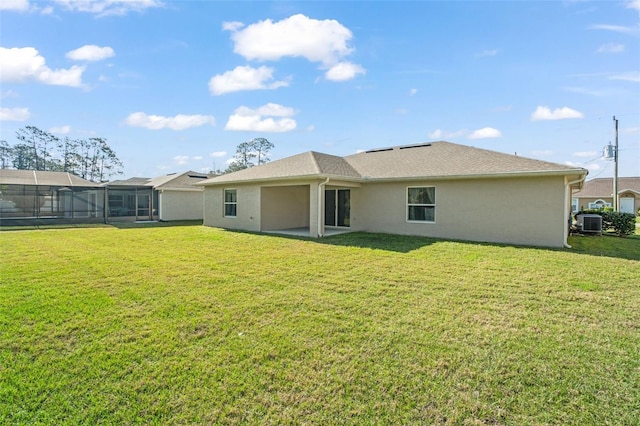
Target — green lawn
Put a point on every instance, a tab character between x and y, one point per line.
195	325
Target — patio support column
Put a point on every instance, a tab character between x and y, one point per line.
313	210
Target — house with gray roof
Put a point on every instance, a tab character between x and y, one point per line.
439	189
30	197
598	193
166	198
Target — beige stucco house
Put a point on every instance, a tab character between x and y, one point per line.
166	198
438	189
598	193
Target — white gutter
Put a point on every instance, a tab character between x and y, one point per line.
320	215
566	213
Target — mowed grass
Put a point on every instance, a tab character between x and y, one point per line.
195	325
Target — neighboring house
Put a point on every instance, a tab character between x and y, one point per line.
29	197
598	193
166	198
439	189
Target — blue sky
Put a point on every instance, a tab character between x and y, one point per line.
177	85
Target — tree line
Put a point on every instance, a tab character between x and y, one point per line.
92	158
36	149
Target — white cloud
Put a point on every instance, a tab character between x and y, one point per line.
232	26
616	28
8	94
585	154
14	114
109	7
20	64
485	133
545	113
627	76
178	122
244	78
486	53
633	4
261	119
181	160
320	41
64	130
218	154
91	52
611	48
441	134
298	36
413	91
15	5
591	92
344	71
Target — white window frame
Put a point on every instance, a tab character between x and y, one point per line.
406	193
599	204
226	203
575	202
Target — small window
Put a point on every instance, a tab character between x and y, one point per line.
421	204
230	202
599	204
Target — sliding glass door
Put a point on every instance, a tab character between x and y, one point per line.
337	207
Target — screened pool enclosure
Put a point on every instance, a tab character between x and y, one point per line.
34	197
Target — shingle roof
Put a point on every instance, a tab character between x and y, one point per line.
433	160
184	181
307	164
173	181
33	177
603	187
445	159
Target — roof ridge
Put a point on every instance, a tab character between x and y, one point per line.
316	164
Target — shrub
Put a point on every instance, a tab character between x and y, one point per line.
622	224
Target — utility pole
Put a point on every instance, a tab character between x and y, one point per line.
616	207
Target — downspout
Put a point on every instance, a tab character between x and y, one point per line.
566	203
320	215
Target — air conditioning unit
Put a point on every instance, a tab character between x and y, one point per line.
589	223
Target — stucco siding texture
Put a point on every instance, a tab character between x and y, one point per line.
248	208
484	210
284	207
181	205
